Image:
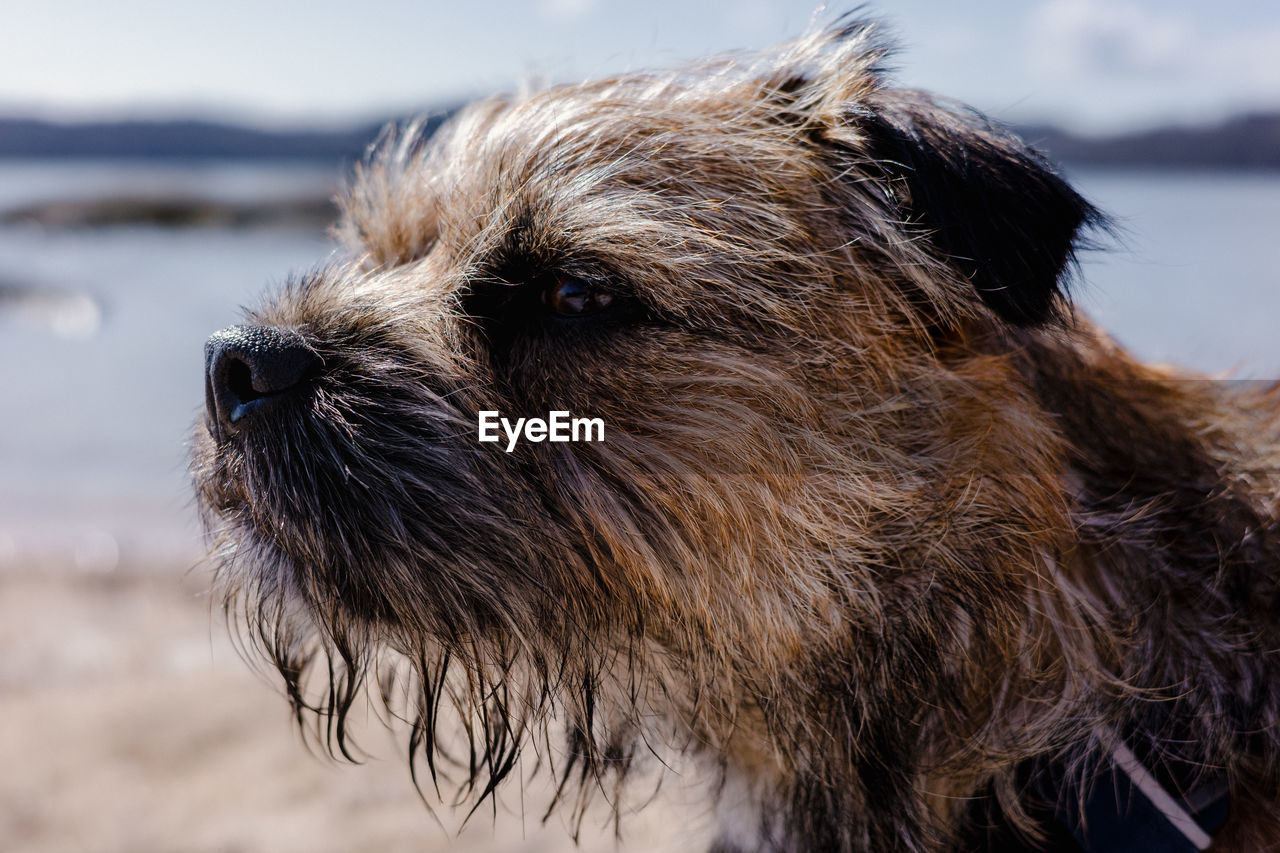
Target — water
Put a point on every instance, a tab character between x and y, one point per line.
92	438
1197	280
101	365
22	182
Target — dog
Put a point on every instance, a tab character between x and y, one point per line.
876	524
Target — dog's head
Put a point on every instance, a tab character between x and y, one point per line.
785	289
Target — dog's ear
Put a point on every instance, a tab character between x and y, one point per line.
990	205
987	203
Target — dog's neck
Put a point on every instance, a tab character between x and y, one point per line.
1175	518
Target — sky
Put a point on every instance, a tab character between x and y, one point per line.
1092	65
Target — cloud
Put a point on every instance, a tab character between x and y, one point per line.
566	10
1150	63
1091	37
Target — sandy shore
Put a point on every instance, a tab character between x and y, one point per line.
128	723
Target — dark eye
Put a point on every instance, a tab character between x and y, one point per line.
573	297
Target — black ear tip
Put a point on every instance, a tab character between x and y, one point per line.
857	22
1033	251
994	208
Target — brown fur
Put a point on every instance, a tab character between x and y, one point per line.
878	524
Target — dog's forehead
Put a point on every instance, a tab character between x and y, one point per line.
635	106
703	165
616	161
639	131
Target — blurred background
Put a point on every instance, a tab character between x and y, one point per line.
162	164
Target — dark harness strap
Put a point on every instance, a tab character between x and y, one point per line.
1128	810
1125	805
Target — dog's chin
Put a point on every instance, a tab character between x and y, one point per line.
251	567
237	480
248	549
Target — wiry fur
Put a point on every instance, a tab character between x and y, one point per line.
878	523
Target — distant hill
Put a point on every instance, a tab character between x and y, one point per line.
1245	142
180	140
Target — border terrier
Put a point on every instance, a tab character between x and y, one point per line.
913	555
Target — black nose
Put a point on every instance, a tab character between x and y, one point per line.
249	368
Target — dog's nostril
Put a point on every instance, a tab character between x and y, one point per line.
247	367
239	381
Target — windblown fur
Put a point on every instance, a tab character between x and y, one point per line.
880	525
